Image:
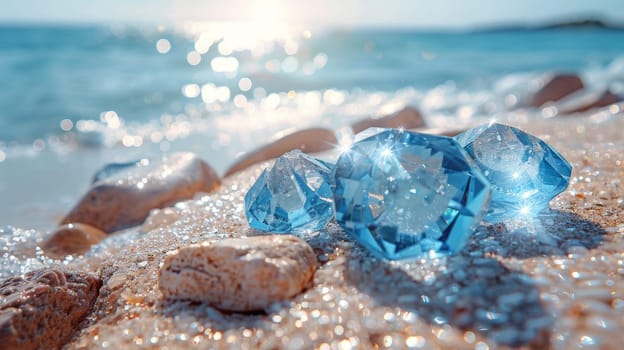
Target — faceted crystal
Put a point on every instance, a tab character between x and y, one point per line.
404	194
525	172
295	195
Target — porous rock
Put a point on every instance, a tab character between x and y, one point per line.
239	274
42	309
126	197
72	239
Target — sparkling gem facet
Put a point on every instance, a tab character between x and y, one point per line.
525	172
295	195
404	194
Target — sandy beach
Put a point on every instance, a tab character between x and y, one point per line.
553	283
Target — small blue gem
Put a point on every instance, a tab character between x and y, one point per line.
294	196
404	194
525	172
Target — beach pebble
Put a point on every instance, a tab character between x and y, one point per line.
407	118
314	140
112	169
557	87
42	309
71	239
125	197
591	101
239	274
309	140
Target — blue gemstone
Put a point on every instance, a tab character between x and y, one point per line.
525	172
294	196
404	194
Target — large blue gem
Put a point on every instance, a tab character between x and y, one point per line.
525	172
404	194
295	195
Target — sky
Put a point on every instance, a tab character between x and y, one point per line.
395	13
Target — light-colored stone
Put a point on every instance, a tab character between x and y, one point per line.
42	309
126	197
239	274
72	239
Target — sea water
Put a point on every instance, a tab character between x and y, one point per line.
73	98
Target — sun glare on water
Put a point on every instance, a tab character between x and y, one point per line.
260	24
259	29
236	49
268	13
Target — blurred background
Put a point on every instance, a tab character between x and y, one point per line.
88	83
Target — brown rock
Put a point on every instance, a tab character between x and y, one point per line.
591	101
308	140
126	197
43	309
239	274
71	239
557	87
319	139
407	118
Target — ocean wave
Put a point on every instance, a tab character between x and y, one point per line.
241	125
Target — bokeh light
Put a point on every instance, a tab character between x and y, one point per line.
163	46
224	64
66	124
191	90
193	58
244	84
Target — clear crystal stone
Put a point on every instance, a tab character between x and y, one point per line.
295	195
524	171
404	194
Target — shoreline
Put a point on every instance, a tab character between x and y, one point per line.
554	283
32	200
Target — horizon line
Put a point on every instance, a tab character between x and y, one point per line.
494	25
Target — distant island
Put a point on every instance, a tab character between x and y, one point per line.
568	24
